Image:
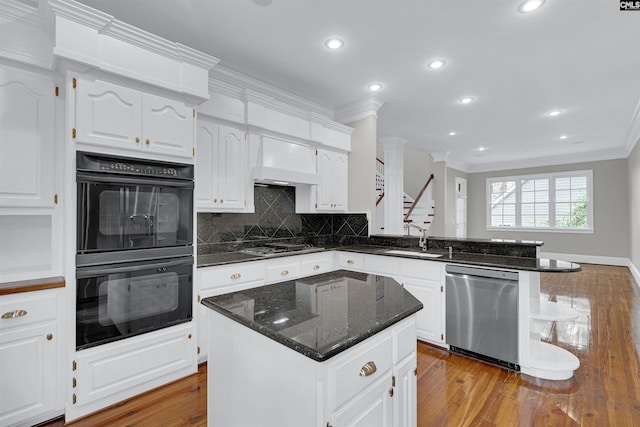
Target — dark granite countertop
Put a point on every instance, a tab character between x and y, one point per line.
486	260
320	316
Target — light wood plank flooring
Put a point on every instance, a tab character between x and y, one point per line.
457	391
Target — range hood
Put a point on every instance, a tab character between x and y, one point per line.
284	162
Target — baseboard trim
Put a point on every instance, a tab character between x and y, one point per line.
588	259
591	259
634	272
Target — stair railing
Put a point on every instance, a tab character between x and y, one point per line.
379	180
415	202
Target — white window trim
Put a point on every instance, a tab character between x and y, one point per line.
551	176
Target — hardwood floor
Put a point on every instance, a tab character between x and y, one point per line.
457	391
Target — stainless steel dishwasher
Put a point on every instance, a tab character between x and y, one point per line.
482	314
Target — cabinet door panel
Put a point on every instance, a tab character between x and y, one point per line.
232	164
405	403
27	136
372	409
108	114
323	192
206	142
340	174
429	319
28	371
167	126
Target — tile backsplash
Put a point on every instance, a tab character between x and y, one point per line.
275	220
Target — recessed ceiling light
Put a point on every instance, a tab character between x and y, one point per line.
436	63
530	5
481	148
263	2
452	133
334	43
466	99
554	113
563	137
374	87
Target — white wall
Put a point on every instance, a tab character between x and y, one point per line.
611	211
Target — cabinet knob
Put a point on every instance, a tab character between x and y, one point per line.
316	267
284	272
189	336
349	261
391	392
368	368
235	276
14	314
49	337
137	139
147	141
215	200
221	200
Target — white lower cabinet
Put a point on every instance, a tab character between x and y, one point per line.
110	373
285	388
425	281
31	345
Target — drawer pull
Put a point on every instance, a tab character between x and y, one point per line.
284	272
13	314
235	276
316	267
349	261
367	369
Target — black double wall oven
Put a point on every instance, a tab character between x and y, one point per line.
134	247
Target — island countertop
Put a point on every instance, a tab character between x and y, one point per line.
320	316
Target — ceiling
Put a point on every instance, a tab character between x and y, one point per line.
578	56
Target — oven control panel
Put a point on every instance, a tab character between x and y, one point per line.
89	162
137	169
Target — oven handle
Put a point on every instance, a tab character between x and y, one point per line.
130	180
100	270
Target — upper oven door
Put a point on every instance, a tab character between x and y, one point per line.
127	213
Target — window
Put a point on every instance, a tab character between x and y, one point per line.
551	202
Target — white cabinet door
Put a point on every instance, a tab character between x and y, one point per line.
29	351
232	168
27	136
332	192
206	144
108	115
429	325
373	408
405	410
167	126
221	168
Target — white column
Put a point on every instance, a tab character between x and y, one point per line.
393	184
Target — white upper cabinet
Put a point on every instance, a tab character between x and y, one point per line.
221	168
332	193
27	139
118	117
167	126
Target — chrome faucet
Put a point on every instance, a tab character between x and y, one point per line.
423	238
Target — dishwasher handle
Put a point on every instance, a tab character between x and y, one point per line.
481	272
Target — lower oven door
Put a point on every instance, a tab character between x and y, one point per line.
117	301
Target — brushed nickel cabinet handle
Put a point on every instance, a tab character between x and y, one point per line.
147	141
235	276
349	261
137	139
316	267
284	272
368	368
14	314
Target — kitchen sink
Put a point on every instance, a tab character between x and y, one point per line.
412	253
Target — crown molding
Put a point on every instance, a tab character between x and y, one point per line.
108	26
229	79
393	142
26	11
440	156
359	110
586	157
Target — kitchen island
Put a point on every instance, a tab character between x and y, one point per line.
333	349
